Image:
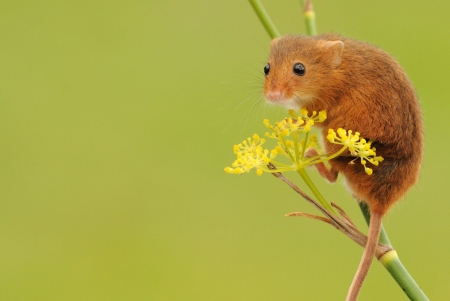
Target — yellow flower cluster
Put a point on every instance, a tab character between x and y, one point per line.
300	123
293	139
357	146
250	154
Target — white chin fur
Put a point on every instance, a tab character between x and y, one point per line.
291	103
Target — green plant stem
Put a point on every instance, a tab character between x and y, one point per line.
265	19
395	267
310	17
327	158
314	190
304	146
295	138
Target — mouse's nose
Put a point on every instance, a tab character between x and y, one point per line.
275	95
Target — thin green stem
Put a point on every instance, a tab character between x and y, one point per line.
265	19
296	150
310	17
395	267
314	190
287	148
325	158
304	145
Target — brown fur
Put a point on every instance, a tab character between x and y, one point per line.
363	89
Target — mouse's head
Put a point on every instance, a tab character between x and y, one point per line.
299	69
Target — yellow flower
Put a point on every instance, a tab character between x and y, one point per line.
288	149
315	117
357	146
250	154
296	123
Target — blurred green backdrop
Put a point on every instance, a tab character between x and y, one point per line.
118	117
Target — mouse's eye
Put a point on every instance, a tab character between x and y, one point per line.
266	69
299	69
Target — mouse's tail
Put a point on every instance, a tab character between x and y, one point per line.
367	258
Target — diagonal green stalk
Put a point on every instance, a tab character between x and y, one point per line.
390	260
394	266
265	19
314	190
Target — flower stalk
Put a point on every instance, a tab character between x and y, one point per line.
314	190
265	19
392	263
310	17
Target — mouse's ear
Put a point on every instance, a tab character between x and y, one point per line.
334	49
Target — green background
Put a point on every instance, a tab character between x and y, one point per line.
118	117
